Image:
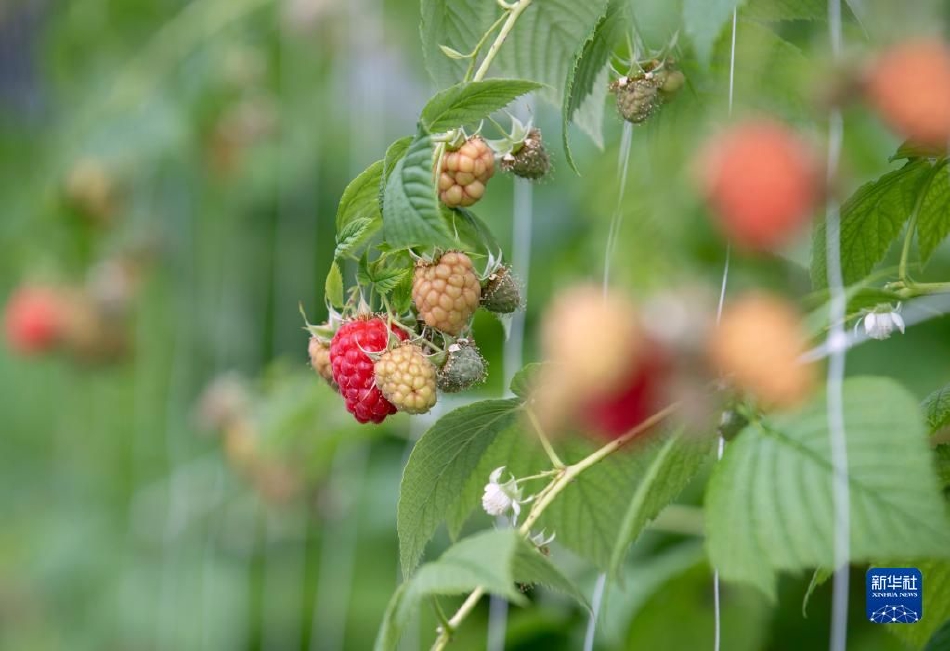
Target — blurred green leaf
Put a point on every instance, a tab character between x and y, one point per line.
493	560
775	10
871	219
470	102
666	471
587	64
440	465
523	381
936	600
941	639
360	199
937	409
704	21
458	24
768	503
933	212
412	214
820	576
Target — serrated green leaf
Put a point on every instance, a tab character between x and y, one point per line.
353	234
395	153
704	20
466	103
523	381
937	409
458	25
333	286
768	503
936	600
819	576
593	512
776	10
440	465
871	219
587	65
531	567
387	279
663	475
933	213
493	560
360	199
542	44
412	214
540	47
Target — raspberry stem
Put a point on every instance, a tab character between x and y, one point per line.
513	13
912	223
562	479
545	443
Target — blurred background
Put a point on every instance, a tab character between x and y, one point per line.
179	478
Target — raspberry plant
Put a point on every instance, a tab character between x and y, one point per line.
627	408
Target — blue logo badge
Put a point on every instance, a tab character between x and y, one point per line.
895	595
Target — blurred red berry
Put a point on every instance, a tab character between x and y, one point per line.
353	370
32	320
909	86
638	398
762	184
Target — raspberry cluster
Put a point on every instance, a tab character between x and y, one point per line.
353	369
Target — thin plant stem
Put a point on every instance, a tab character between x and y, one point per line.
545	443
510	21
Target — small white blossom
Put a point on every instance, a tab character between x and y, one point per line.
880	323
500	497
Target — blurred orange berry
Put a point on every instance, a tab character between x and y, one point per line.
761	182
909	86
757	346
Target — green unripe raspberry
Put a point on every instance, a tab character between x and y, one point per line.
464	368
501	293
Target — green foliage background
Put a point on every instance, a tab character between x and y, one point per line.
124	526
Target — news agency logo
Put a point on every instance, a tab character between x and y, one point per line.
894	595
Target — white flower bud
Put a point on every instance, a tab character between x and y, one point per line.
500	497
880	324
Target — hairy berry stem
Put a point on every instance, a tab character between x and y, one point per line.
547	495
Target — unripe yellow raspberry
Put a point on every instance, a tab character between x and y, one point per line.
465	173
757	346
320	360
447	292
407	379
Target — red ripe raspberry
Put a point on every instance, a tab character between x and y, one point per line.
32	320
465	173
638	398
353	370
762	183
910	87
